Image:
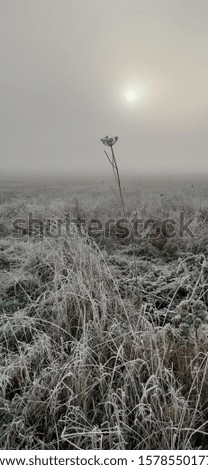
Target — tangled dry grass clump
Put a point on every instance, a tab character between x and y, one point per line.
100	350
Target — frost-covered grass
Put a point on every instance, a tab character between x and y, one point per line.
103	344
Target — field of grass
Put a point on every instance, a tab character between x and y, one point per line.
103	339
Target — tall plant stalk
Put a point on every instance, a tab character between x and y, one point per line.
109	142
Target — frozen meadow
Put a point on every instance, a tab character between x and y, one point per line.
103	326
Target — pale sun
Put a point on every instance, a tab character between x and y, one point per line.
131	95
134	94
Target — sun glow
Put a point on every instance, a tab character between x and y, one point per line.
134	94
131	95
137	94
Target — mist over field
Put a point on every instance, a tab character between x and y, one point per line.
75	71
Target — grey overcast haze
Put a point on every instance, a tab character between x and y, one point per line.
74	71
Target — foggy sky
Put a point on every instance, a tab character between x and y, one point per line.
65	66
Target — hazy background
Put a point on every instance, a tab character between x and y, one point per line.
65	69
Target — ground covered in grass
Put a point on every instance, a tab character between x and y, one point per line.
103	341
